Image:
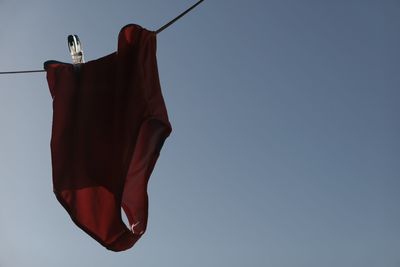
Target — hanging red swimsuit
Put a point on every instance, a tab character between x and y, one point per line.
109	124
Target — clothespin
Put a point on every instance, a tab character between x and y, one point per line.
75	49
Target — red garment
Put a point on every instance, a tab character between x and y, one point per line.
109	124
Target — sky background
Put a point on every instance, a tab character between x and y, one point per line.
285	148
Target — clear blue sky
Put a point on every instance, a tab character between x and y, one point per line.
285	148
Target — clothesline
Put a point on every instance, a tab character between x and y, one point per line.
157	32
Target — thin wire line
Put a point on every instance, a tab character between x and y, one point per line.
157	32
21	71
178	17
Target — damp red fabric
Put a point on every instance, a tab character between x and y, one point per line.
109	125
